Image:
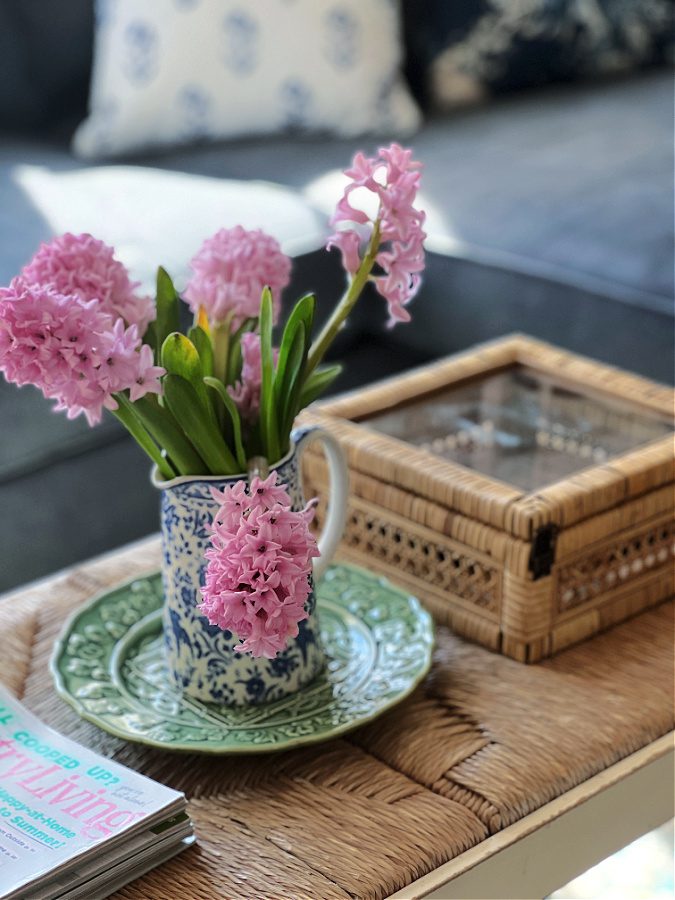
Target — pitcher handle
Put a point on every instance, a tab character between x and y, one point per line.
337	498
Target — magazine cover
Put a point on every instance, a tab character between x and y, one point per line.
60	803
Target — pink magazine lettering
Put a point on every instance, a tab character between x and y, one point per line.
96	815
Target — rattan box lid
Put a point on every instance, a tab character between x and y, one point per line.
578	438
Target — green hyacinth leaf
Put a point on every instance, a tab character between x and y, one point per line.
318	382
230	407
134	424
303	311
290	359
180	357
302	314
290	386
268	409
167	304
165	430
234	361
204	347
202	342
184	403
293	352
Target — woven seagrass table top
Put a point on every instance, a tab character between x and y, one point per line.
483	742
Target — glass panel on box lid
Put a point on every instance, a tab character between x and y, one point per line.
520	427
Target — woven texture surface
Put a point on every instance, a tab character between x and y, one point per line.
484	741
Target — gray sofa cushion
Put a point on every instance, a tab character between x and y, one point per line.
575	180
45	60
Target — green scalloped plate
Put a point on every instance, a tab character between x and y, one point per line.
109	665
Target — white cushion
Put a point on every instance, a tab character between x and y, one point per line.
172	71
153	217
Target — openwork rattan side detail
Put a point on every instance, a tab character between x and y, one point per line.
437	561
614	563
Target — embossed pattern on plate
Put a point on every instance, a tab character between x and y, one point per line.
109	665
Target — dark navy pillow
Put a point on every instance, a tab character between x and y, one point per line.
464	51
45	61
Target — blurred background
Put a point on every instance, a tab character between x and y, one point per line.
545	127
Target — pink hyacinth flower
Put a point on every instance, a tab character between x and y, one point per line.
393	177
80	265
246	392
230	271
349	245
70	349
147	375
259	565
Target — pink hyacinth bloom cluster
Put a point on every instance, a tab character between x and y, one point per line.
71	350
230	271
246	392
393	177
258	566
80	265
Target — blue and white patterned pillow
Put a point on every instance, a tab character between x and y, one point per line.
172	71
465	51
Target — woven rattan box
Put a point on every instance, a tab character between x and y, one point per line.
524	493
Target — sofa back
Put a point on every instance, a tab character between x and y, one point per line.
45	62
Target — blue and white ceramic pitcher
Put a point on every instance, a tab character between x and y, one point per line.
200	657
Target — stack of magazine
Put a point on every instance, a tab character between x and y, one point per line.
74	824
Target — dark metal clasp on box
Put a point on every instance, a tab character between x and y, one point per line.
542	555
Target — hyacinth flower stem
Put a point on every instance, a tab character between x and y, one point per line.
128	418
257	467
220	339
330	330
